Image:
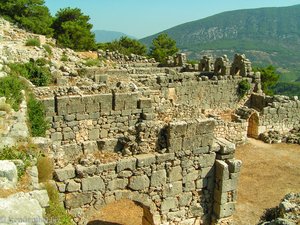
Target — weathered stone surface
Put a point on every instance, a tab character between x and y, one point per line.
22	209
175	174
65	173
169	203
145	160
75	200
93	184
72	186
124	164
139	182
8	174
117	184
41	196
158	178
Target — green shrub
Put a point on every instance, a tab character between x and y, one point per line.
48	49
33	42
92	62
64	58
35	71
24	153
10	87
37	120
56	213
244	87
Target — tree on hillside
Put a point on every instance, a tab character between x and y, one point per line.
73	30
125	45
269	78
162	47
32	15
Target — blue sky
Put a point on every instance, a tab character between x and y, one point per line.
141	18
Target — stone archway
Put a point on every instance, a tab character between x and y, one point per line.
133	210
253	123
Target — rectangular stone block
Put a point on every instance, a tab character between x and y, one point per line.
224	210
145	160
75	200
158	178
175	174
91	105
49	104
144	103
177	129
75	105
175	144
165	157
222	171
93	184
61	105
129	164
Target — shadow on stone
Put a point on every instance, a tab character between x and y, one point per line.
100	222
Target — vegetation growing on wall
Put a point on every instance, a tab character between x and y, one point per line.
244	87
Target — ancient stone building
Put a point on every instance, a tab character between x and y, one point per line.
165	133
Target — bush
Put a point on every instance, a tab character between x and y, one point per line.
33	42
56	213
48	49
64	58
92	62
244	87
37	120
24	153
35	71
10	87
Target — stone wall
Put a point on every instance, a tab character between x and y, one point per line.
193	182
280	113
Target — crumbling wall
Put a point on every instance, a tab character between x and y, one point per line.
279	113
192	182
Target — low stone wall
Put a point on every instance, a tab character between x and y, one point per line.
194	181
279	113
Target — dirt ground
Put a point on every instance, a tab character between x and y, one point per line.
268	173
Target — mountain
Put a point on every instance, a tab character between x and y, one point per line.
265	35
108	36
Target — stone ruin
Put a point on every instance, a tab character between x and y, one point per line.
164	130
161	136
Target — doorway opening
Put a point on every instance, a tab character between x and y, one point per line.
122	212
253	123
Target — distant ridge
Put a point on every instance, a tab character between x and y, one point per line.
266	35
108	36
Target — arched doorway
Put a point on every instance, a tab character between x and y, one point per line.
122	212
253	123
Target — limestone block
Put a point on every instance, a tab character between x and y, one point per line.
91	105
222	170
224	210
8	174
196	210
175	174
94	134
145	160
185	199
172	189
108	144
175	144
76	200
158	178
117	184
144	103
15	208
165	157
234	165
90	147
169	203
205	126
176	215
76	105
106	167
139	182
106	102
84	171
93	184
62	103
126	164
177	129
226	146
71	151
65	173
72	186
41	196
49	105
207	160
201	150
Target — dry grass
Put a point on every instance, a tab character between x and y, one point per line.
45	168
268	173
22	186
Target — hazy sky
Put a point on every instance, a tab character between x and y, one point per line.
141	18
